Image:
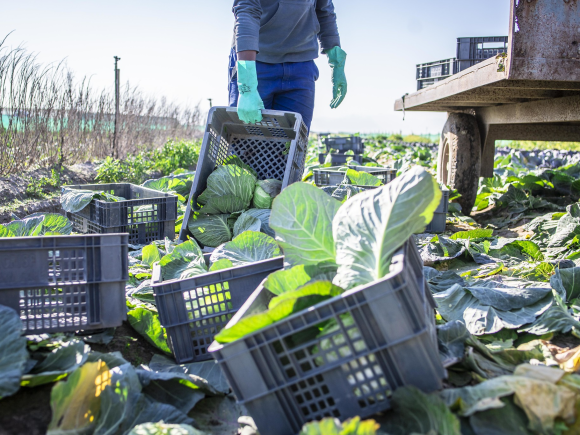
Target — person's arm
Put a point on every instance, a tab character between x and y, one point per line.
247	55
248	14
330	44
328	36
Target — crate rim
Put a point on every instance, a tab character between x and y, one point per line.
155	283
397	265
333	366
62	237
345	168
294	144
165	195
269	112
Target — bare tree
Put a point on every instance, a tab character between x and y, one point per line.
47	117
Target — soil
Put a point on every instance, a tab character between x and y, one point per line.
132	346
27	412
15	201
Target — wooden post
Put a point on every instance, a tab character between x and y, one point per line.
115	151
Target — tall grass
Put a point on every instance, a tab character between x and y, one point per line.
537	145
47	116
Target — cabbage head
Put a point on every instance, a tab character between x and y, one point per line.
262	199
229	189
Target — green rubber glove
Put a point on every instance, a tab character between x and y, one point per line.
249	102
337	59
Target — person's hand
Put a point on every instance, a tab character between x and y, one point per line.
337	59
250	103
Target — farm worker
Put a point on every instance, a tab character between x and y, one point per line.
272	57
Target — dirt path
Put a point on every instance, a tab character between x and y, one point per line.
14	198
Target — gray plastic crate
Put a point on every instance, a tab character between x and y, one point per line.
432	72
383	338
147	214
339	159
471	51
275	148
194	310
335	175
139	234
439	221
65	283
343	144
342	159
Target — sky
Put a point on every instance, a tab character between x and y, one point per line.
179	49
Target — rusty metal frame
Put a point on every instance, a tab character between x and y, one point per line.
532	94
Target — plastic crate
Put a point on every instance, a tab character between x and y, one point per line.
194	310
433	72
343	144
383	339
147	214
275	148
65	283
471	51
339	159
139	234
439	221
335	175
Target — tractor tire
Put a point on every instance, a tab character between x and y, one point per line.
459	163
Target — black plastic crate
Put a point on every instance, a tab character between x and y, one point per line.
335	175
439	221
65	283
194	310
433	72
146	214
383	339
275	148
344	144
471	51
139	234
339	159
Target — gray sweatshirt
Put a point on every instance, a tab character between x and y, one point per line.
285	30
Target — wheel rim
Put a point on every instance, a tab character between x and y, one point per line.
443	170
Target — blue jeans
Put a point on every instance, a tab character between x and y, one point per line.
285	86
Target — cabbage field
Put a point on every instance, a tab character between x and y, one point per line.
503	276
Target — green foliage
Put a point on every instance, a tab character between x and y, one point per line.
74	200
37	224
415	138
362	178
280	307
165	429
317	235
230	189
113	171
415	412
332	426
248	247
13	354
185	261
384	219
487	309
302	218
76	403
538	145
58	364
136	169
39	187
146	323
261	198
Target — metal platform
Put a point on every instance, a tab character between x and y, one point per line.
533	93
